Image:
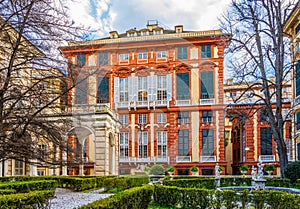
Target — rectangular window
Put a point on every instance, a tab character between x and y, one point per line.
42	148
142	89
297	78
161	54
124	119
182	86
103	90
263	116
161	88
123	89
41	173
207	85
143	55
297	29
81	91
161	118
162	144
103	58
19	168
143	144
298	151
207	116
206	51
123	57
124	144
207	142
81	59
183	118
142	118
182	53
265	141
183	143
298	121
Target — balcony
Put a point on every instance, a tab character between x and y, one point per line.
156	159
208	159
161	103
267	158
183	159
84	108
182	102
209	101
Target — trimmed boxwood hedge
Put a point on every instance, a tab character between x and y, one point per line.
35	199
203	198
27	186
134	198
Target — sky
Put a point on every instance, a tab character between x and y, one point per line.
103	16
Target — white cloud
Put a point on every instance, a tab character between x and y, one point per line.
106	15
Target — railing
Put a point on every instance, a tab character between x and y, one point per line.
212	158
207	101
183	159
182	102
84	108
296	101
152	159
161	103
266	158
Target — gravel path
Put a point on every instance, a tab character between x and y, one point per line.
67	199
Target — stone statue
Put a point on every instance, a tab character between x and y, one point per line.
260	173
217	171
253	173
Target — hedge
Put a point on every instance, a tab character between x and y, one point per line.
203	198
208	183
27	186
134	198
35	199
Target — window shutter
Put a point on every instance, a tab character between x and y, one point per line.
154	88
116	90
133	88
149	89
169	87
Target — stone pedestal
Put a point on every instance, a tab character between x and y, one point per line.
260	184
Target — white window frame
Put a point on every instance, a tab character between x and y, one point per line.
142	89
123	57
161	117
124	119
142	118
123	89
162	86
142	55
161	54
143	144
124	144
162	141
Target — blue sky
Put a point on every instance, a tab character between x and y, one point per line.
103	16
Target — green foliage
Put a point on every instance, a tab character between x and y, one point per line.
208	183
292	171
7	191
157	169
171	169
27	186
134	198
194	169
202	198
35	199
269	167
244	168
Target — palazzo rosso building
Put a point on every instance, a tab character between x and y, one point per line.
167	88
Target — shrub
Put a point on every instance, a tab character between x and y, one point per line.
292	171
171	169
194	169
269	167
134	198
157	169
244	168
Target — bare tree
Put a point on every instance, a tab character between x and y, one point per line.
32	81
258	52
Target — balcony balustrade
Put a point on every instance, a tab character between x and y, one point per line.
267	158
204	159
